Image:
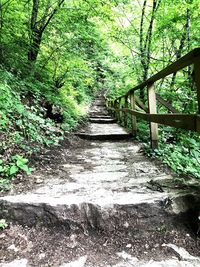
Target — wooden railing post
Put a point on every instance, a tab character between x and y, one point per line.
133	118
108	104
120	113
197	81
125	113
152	110
112	106
115	107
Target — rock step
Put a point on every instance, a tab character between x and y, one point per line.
102	120
100	97
85	216
99	116
108	131
133	221
99	104
104	137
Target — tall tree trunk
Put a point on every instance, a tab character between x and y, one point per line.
142	49
182	43
1	29
2	6
35	46
146	40
38	26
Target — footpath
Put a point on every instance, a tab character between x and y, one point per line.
99	203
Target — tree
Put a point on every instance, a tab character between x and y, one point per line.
146	38
38	24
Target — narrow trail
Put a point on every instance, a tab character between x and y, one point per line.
101	206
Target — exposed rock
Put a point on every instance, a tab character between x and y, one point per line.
98	199
78	263
16	263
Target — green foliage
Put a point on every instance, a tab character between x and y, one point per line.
41	99
182	156
9	169
23	125
3	224
16	164
179	149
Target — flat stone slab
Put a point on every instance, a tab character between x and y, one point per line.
115	178
16	263
99	116
104	132
129	261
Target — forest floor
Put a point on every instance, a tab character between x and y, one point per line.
98	202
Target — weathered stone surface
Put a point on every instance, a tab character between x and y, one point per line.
102	120
81	262
114	178
106	187
104	132
129	261
16	263
126	260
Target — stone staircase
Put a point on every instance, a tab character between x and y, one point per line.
104	204
102	126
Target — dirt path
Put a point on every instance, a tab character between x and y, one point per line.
98	202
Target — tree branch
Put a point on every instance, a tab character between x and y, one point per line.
43	27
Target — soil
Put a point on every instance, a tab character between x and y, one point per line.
55	246
46	163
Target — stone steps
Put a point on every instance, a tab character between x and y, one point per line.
102	126
104	137
101	120
105	190
99	116
104	131
79	216
113	185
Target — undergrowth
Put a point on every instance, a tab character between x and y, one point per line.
178	148
26	126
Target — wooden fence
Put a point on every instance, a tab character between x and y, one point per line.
129	103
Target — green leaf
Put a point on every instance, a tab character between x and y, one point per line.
3	224
21	162
2	168
20	109
13	170
24	167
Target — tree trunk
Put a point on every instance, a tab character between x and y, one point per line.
182	44
146	40
35	46
142	50
2	7
38	26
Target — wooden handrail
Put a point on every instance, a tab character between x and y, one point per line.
185	121
181	63
166	104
